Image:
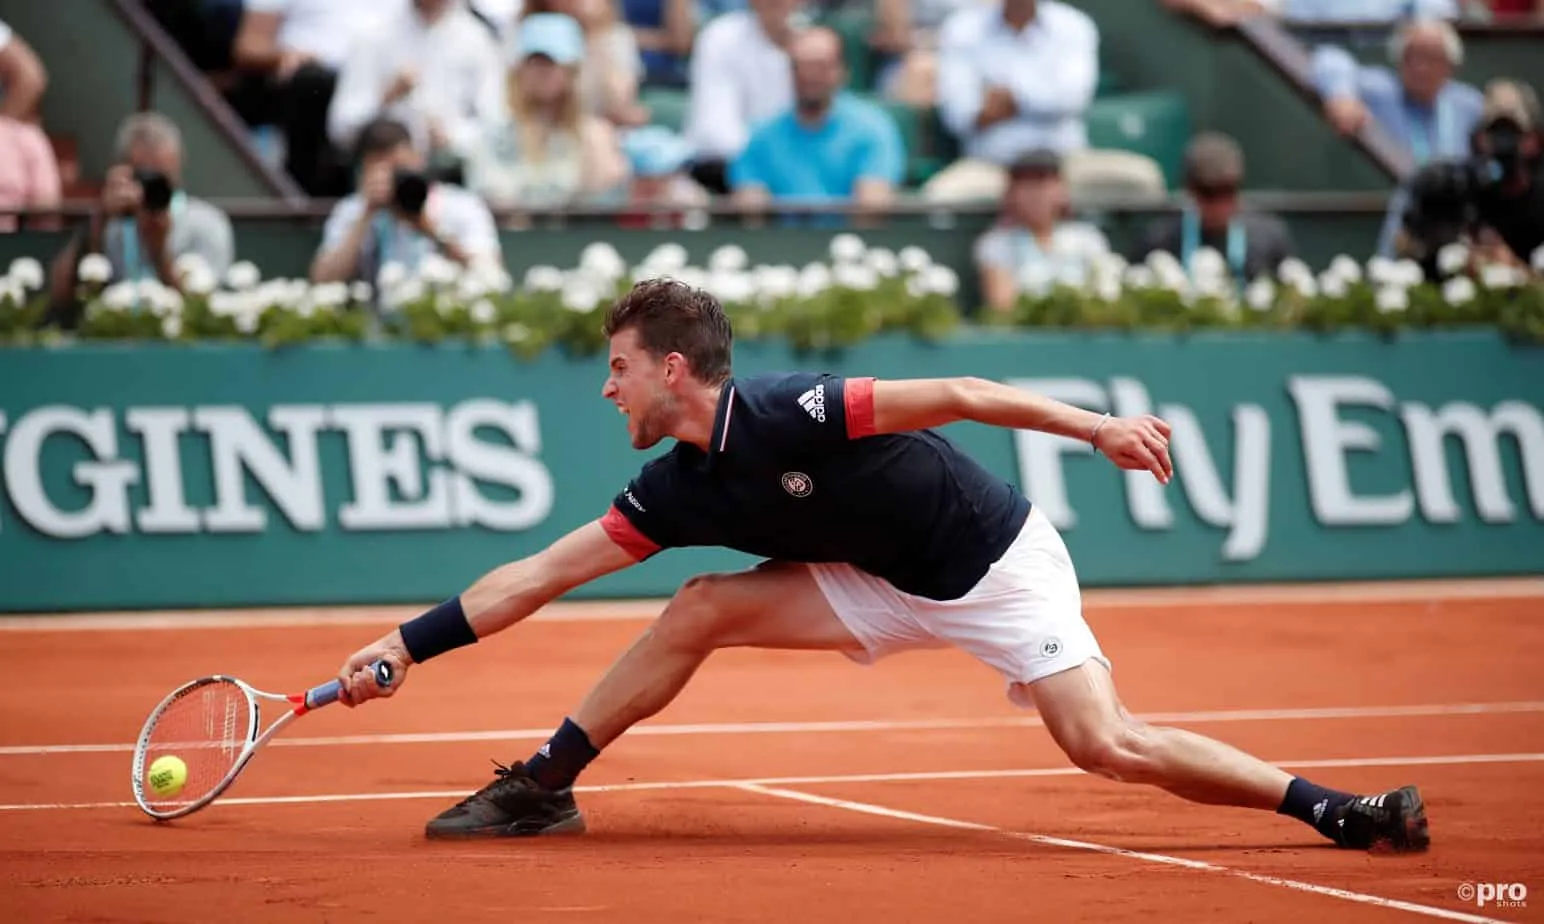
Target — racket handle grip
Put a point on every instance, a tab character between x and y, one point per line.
327	693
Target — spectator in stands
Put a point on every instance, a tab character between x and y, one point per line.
662	194
1517	9
1511	211
610	67
22	77
145	220
547	152
664	30
1422	107
1034	245
399	216
905	43
433	67
1253	243
1013	75
295	48
1232	12
29	172
828	146
740	77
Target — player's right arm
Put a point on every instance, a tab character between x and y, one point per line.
499	599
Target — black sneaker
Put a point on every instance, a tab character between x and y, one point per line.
513	805
1394	821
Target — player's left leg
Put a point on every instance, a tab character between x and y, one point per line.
1085	717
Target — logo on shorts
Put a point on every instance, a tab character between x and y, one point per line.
798	484
1050	648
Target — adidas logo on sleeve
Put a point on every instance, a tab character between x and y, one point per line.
814	402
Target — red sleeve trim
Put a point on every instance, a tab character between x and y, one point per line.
858	399
625	534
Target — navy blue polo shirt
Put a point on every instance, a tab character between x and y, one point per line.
796	473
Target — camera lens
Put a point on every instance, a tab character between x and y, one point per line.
155	189
410	192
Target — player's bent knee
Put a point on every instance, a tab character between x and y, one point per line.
696	616
1117	751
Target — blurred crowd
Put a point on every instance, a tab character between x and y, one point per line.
421	118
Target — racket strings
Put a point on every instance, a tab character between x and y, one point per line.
206	729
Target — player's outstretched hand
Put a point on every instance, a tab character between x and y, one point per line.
1137	443
357	680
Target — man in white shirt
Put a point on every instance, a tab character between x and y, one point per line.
433	67
297	47
741	76
1016	76
397	216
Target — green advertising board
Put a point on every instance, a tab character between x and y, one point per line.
164	476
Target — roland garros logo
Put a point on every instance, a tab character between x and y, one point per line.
798	484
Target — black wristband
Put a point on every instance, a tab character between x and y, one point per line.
440	630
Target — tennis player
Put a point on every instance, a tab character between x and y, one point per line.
880	536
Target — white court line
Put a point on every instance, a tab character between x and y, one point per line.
1145	856
920	776
1518	588
875	725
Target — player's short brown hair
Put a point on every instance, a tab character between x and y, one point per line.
673	317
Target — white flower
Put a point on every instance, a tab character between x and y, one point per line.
1408	273
121	296
224	304
1207	285
1393	298
1346	268
1110	263
493	276
859	276
730	258
330	295
171	326
95	268
580	297
200	280
914	259
11	291
162	300
1459	290
483	312
190	262
243	276
361	292
439	271
409	290
602	259
1261	294
693	277
1381	271
1306	286
813	280
515	333
1452	259
246	321
391	275
1293	271
1140	276
1208	265
1107	286
941	280
1538	259
296	291
471	287
667	259
916	287
544	279
27	273
775	282
1035	279
1333	284
732	286
305	308
847	248
1501	276
883	261
1160	261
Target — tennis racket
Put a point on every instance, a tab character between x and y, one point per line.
211	725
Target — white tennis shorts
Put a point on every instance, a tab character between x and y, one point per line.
1024	618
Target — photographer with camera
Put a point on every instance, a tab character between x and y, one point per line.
144	220
1494	201
400	214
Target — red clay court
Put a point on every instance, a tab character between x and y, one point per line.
793	786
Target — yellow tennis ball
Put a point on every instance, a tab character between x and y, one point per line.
168	775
